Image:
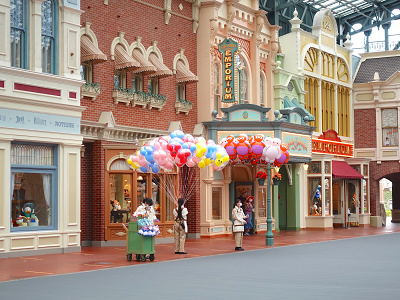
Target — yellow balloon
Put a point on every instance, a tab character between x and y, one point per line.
135	165
200	149
202	164
209	161
129	161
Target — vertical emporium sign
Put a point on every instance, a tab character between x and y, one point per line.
228	49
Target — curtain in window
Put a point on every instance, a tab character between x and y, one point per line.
47	36
47	194
17	34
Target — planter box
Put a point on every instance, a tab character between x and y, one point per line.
154	102
90	92
184	108
120	96
139	101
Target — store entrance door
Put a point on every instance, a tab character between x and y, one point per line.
353	202
337	204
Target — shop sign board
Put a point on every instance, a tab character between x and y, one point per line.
298	144
330	143
10	118
228	48
224	134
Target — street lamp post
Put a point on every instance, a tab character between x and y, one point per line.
269	237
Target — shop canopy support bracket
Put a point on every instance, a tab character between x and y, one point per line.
289	173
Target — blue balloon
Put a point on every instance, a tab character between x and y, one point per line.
154	168
143	169
210	151
143	152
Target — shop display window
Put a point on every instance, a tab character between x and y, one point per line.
357	168
141	189
315	196
262	203
217	203
155	195
315	167
365	170
33	186
169	204
327	196
365	208
327	165
120	197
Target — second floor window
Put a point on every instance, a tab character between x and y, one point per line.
153	85
48	37
137	82
180	92
18	33
390	131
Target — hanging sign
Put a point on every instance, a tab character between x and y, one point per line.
228	48
329	142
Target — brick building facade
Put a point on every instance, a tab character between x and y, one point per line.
376	115
135	102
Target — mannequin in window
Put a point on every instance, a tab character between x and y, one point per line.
387	142
115	214
317	201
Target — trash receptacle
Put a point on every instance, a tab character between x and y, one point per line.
140	245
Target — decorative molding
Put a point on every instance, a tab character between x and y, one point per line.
119	40
124	134
180	56
154	48
167	10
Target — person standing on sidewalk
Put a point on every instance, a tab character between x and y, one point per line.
238	217
180	226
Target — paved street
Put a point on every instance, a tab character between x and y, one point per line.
356	268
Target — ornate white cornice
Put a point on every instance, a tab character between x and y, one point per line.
118	133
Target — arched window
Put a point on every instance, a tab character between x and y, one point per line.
49	46
243	82
217	86
18	34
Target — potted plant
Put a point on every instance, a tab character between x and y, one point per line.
261	177
276	178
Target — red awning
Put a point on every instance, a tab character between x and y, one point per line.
343	170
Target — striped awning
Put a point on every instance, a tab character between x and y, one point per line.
89	51
161	69
183	74
123	60
145	65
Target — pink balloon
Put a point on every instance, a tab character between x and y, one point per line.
190	163
196	159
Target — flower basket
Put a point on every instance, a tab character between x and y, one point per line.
276	178
261	177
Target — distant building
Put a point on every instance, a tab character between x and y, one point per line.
376	122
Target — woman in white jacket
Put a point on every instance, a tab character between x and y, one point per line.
238	217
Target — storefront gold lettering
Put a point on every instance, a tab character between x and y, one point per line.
326	147
228	77
228	48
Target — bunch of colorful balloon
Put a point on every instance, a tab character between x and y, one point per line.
256	149
178	149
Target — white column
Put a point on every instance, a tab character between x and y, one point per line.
35	36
